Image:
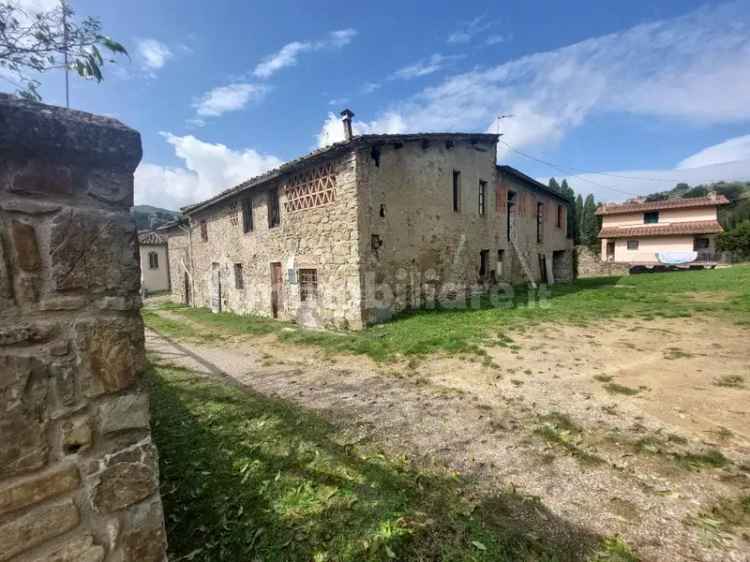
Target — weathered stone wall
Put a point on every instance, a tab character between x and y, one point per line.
590	264
415	247
324	238
78	470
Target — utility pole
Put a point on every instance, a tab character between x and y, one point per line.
64	7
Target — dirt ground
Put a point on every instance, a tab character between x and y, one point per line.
602	423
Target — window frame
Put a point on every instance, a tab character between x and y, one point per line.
482	199
701	238
153	263
274	208
308	284
239	277
560	216
651	214
204	230
632	245
456	191
248	222
539	222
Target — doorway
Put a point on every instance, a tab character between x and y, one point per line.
543	269
610	250
215	287
276	288
187	289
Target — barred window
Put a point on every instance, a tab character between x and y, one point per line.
313	187
308	284
482	196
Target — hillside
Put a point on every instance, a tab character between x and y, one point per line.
148	217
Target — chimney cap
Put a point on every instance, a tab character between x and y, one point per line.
347	114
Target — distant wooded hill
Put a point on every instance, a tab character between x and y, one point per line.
149	218
730	215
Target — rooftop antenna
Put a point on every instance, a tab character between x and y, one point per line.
64	7
501	117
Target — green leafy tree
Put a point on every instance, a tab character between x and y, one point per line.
589	222
736	240
35	42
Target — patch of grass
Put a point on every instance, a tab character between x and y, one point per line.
245	477
614	388
455	331
615	550
603	378
167	326
712	458
561	430
730	381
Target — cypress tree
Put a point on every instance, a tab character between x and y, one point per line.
579	218
589	222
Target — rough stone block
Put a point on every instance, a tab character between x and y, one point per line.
110	353
26	333
72	302
94	250
23	425
145	540
6	281
124	412
29	207
38	177
122	485
77	549
77	434
111	187
64	377
40	487
27	249
36	527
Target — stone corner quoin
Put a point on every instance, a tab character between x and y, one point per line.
78	470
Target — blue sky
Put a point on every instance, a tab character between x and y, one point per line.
654	91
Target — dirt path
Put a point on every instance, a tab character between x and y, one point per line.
614	472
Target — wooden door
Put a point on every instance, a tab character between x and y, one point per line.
276	288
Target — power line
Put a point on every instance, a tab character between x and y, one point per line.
580	171
562	169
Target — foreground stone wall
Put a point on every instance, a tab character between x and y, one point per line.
78	470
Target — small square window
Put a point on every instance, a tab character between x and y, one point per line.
632	244
651	218
701	244
308	284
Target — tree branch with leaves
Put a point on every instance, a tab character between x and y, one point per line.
36	42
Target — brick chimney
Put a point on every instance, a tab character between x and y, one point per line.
346	117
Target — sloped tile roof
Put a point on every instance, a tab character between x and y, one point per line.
150	238
677	203
693	227
334	150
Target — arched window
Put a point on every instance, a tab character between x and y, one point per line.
153	260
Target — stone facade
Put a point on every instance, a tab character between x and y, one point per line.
375	223
590	264
78	470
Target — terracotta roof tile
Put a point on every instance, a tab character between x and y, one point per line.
677	203
693	227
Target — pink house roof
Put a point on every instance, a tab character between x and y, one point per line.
640	231
678	203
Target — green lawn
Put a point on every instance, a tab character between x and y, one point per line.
722	292
248	478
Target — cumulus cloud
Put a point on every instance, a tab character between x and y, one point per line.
425	66
668	68
333	130
730	150
154	54
231	97
207	170
289	53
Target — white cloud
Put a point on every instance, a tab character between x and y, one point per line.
290	52
370	87
671	68
333	130
425	66
730	150
208	169
468	29
37	6
231	97
154	54
338	101
496	39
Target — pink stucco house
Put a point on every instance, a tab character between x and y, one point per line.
636	231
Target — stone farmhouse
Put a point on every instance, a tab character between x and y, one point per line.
636	232
351	233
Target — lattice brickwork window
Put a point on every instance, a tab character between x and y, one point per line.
234	214
311	188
